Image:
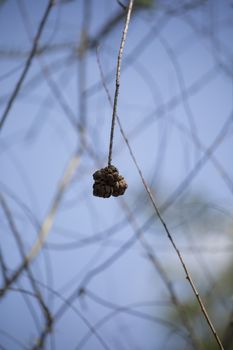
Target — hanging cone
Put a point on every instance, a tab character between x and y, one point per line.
108	182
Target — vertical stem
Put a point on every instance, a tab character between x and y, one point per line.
118	72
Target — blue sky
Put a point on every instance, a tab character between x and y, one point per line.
175	96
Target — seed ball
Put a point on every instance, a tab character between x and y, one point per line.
108	182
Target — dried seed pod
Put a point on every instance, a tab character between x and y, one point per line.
108	182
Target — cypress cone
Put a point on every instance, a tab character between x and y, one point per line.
108	182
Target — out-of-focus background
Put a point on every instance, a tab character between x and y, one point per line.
103	273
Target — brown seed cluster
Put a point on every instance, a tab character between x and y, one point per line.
108	182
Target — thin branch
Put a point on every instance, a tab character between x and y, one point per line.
163	275
118	72
187	273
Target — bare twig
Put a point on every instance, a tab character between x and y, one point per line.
118	72
187	273
155	262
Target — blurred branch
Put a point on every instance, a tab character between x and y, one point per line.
27	64
185	100
67	304
134	54
163	275
46	74
126	309
45	309
82	65
228	335
3	267
13	339
122	5
214	160
145	41
91	43
47	224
